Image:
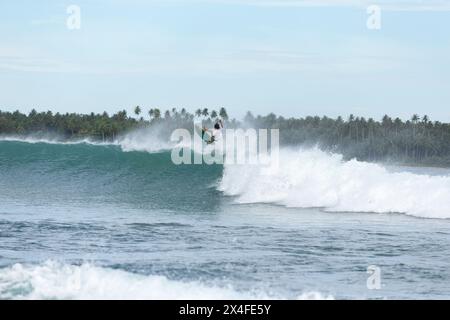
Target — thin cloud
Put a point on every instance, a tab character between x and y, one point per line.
47	21
391	5
28	60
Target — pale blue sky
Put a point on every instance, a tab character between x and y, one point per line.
292	57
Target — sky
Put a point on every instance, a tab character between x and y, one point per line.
291	57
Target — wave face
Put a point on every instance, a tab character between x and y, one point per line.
53	280
312	178
37	172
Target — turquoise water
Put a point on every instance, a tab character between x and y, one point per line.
92	221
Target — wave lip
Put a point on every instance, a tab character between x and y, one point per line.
36	140
313	178
127	143
54	280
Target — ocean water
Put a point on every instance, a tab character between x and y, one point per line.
120	221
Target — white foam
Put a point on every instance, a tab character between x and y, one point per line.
135	142
146	139
50	140
53	280
313	178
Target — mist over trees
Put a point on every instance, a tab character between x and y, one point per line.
416	141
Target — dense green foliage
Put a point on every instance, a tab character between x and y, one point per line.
97	126
66	125
414	141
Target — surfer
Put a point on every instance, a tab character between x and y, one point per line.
215	133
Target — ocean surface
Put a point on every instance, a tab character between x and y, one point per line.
92	221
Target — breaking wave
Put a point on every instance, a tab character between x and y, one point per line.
313	178
301	178
53	280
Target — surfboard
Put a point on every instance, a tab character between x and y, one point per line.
206	135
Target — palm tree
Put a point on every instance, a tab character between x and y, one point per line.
397	124
122	115
351	118
249	118
137	110
157	113
151	112
425	121
33	114
223	114
415	118
205	112
386	121
213	114
198	113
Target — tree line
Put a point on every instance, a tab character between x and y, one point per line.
98	126
417	140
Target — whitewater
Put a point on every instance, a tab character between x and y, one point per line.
91	220
313	178
53	280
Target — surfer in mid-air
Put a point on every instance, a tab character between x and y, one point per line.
215	133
